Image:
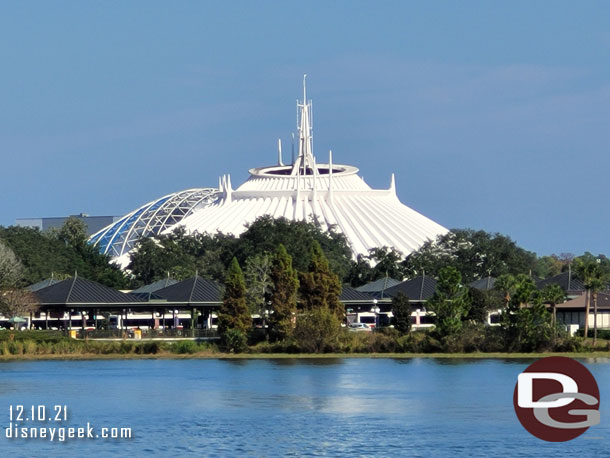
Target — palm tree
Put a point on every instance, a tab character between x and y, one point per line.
594	279
596	282
506	285
553	294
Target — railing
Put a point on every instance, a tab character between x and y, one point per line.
146	333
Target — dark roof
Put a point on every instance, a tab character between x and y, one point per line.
418	288
159	284
43	284
483	284
378	285
578	303
565	279
78	290
349	294
192	290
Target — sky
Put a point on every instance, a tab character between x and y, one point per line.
492	115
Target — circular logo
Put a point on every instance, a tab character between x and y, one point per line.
556	399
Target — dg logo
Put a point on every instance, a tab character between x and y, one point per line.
556	399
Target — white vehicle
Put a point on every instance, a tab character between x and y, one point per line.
359	327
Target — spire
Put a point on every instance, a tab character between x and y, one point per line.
305	157
330	175
393	185
279	152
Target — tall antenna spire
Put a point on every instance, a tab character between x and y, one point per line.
305	160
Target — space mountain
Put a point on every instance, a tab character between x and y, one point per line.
333	195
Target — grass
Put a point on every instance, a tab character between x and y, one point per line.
208	353
36	345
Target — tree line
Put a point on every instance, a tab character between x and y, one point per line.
280	269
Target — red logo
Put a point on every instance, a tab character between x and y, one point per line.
557	399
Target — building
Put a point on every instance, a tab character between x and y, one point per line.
92	223
333	195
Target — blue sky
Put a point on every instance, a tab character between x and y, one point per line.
493	115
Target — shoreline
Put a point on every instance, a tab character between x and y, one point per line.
261	356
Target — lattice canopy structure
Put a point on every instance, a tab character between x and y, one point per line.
151	219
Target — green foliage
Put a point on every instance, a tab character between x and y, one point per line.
481	302
526	323
183	254
387	262
282	295
60	253
266	233
320	287
548	266
475	254
234	341
553	294
318	330
450	302
401	309
234	315
257	274
506	285
184	347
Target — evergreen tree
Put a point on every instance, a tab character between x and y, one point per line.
450	302
234	320
526	322
283	295
401	309
320	287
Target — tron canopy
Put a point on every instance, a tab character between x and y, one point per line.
333	195
151	219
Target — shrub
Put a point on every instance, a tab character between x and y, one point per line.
185	347
234	341
318	331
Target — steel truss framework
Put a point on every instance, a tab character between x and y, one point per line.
151	219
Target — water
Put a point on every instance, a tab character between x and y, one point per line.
334	407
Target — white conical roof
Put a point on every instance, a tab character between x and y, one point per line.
331	194
369	218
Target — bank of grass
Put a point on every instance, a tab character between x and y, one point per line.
35	345
40	345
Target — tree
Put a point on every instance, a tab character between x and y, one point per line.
548	266
257	274
526	322
320	287
360	272
282	295
506	284
481	302
11	269
17	302
401	309
317	330
594	275
73	233
266	233
474	253
553	294
387	263
450	302
234	320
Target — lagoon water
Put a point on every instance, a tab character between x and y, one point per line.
288	407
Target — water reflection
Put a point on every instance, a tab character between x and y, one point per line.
289	406
306	361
